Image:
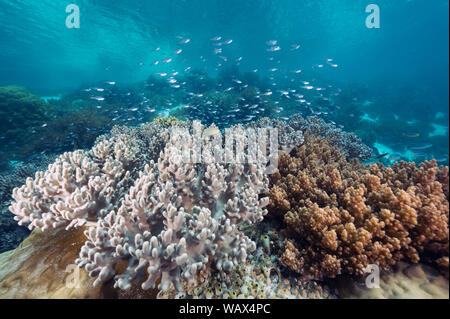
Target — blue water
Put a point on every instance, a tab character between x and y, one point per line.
394	78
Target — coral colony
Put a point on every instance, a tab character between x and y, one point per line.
351	216
187	209
169	220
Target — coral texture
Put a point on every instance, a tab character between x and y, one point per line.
341	216
20	109
291	133
79	187
11	234
288	137
166	221
16	176
38	267
20	114
42	268
257	278
349	144
169	121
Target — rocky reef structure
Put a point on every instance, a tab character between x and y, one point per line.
164	220
341	216
68	131
20	113
19	109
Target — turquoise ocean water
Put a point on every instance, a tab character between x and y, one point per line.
131	61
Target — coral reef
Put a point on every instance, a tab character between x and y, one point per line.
42	268
288	137
143	217
257	278
166	221
341	216
20	110
16	176
79	186
171	120
11	234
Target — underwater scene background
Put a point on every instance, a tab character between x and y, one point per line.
388	85
308	66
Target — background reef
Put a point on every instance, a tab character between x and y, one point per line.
34	127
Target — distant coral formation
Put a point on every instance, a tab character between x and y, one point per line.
349	144
20	113
169	121
291	134
73	129
20	109
341	216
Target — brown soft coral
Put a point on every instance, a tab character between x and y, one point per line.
341	216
